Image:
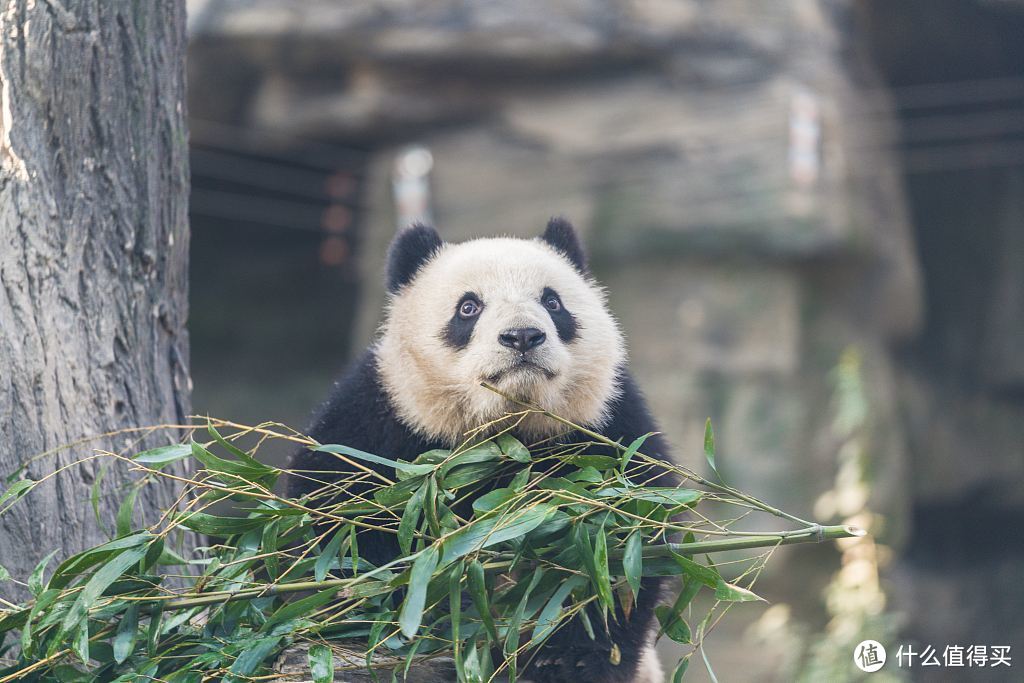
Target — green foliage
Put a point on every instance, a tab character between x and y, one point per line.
709	445
482	571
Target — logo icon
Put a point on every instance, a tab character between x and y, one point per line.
869	656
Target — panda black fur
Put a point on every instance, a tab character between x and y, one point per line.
526	316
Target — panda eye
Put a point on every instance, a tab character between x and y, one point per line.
552	303
469	308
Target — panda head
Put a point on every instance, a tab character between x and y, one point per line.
522	315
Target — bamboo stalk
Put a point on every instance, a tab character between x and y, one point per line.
815	534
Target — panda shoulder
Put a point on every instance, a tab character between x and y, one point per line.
629	417
357	412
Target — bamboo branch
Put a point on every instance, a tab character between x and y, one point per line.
721	488
816	534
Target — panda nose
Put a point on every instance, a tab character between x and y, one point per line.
522	339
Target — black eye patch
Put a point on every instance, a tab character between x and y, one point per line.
459	329
565	322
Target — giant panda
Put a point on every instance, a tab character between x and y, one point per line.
526	316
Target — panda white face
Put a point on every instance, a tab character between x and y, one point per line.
518	314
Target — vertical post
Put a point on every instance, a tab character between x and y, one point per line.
410	183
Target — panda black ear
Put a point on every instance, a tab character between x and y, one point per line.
562	236
409	250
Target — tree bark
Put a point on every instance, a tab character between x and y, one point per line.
93	254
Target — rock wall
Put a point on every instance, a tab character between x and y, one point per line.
738	274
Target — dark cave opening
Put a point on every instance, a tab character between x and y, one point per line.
956	73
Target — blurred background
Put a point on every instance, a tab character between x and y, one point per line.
809	215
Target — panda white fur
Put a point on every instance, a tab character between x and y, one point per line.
525	316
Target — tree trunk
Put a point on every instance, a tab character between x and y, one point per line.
93	254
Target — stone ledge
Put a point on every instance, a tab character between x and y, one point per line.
351	667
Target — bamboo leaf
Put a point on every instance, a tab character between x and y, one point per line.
484	533
513	448
673	625
235	450
35	579
632	449
562	484
709	445
626	600
354	550
154	552
321	663
411	616
728	592
299	608
519	481
374	639
123	521
42	603
269	543
471	666
430	504
170	558
581	541
465	475
212	525
689	590
253	656
404	467
455	615
127	631
156	458
243	470
633	561
587	626
100	580
684	664
329	555
598	462
587	474
433	457
94	497
156	615
396	494
512	634
16	491
491	500
655	494
478	592
602	579
80	642
549	616
485	452
410	518
78	563
706	575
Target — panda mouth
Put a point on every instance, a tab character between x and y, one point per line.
521	366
